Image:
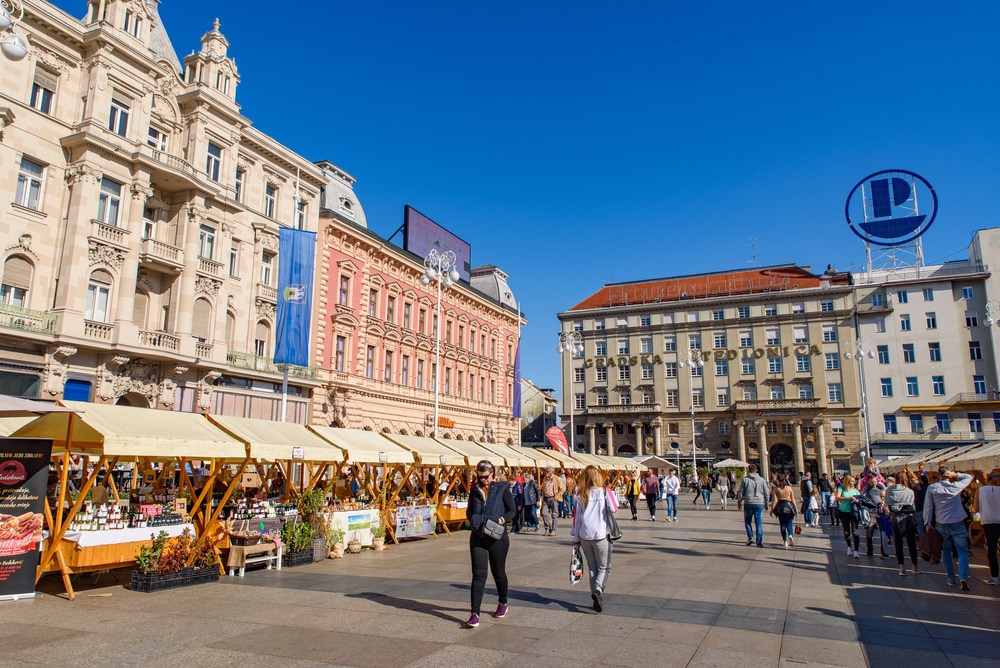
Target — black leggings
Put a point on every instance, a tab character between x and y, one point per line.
651	504
632	498
487	551
850	525
911	542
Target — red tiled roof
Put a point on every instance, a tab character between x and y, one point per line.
703	286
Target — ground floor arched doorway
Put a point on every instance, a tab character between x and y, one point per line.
781	459
132	399
626	450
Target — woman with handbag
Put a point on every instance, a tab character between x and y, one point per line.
846	498
783	507
899	498
490	511
590	529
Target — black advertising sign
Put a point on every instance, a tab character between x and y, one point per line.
24	473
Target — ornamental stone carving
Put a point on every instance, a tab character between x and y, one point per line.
205	389
102	254
106	375
267	240
23	245
168	387
265	309
140	192
82	174
54	374
207	286
138	377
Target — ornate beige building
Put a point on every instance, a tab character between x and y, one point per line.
767	376
139	220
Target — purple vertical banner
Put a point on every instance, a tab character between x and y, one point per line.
24	473
517	381
296	257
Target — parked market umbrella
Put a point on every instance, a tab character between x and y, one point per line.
730	464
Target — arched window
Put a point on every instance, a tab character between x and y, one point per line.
230	329
98	296
262	339
201	323
17	273
140	308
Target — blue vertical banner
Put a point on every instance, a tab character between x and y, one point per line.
517	381
296	259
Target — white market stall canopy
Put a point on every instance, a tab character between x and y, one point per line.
652	461
984	459
275	441
365	447
428	451
474	452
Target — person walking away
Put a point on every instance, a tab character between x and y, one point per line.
706	490
517	491
918	483
987	504
532	499
806	491
651	488
875	493
751	497
695	484
825	494
553	489
846	498
724	490
632	489
671	488
899	498
490	500
562	502
590	530
814	507
569	496
943	509
783	507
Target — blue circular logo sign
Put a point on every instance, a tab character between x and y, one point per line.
891	208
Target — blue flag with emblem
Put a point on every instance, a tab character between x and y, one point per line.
296	258
517	382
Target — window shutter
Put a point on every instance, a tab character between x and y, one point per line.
17	273
101	276
230	328
201	320
139	307
46	79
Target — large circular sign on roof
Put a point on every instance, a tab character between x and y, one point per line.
891	207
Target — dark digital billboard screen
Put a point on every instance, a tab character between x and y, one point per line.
421	234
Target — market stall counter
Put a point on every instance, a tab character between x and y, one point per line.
89	551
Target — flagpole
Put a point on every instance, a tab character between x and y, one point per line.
284	393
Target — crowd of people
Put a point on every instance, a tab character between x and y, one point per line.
892	510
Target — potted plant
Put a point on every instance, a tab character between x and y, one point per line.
163	564
378	537
297	539
335	542
310	505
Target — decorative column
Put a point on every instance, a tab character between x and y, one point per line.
741	439
640	441
130	267
800	460
610	429
592	438
657	443
821	445
765	465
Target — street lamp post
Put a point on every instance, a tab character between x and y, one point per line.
439	267
571	342
693	362
858	350
12	45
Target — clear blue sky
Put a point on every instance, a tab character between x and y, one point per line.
576	143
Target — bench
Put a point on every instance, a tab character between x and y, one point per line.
263	555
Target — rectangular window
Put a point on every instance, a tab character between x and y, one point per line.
670	343
671	398
975	350
118	120
647	371
901	297
976	422
109	203
912	387
387	374
743	312
968	293
937	385
624	372
719	340
971	319
422	324
623	346
931	320
696	370
234	260
904	322
580	374
996	422
772	427
300	214
98	295
826	305
909	356
800	335
774	365
645	321
747	367
718	314
772	337
943	421
979	385
420	376
803	363
270	200
370	362
880	325
878	300
829	332
602	398
602	374
213	161
832	361
692	316
805	391
777	392
580	400
890	422
43	90
344	291
404	373
339	354
746	339
837	426
373	303
156	139
698	398
407	308
238	186
390	312
625	399
928	294
934	350
599	323
883	354
670	369
29	184
916	423
721	368
770	309
646	345
835	393
694	341
601	348
886	387
722	397
798	307
266	268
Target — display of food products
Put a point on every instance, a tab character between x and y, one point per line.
111	516
257	509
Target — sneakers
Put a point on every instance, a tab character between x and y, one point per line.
950	582
994	582
791	542
598	601
786	543
652	518
501	611
849	551
856	555
473	621
749	542
965	585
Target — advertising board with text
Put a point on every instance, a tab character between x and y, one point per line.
24	472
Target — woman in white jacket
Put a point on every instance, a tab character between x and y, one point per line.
590	529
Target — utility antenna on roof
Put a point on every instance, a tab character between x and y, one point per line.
753	251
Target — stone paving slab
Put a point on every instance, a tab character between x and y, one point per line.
689	594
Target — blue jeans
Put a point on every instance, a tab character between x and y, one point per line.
530	516
787	523
706	497
753	515
824	507
671	505
808	516
954	537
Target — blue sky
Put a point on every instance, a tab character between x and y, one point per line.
576	143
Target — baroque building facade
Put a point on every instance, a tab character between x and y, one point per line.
139	220
744	364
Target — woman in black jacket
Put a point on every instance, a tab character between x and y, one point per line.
490	500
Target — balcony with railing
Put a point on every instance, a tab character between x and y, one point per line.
238	360
868	307
268	293
161	255
27	320
929	436
159	340
619	409
203	350
970	398
117	236
209	267
98	330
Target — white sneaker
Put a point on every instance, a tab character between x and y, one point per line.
791	542
786	543
850	551
856	555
